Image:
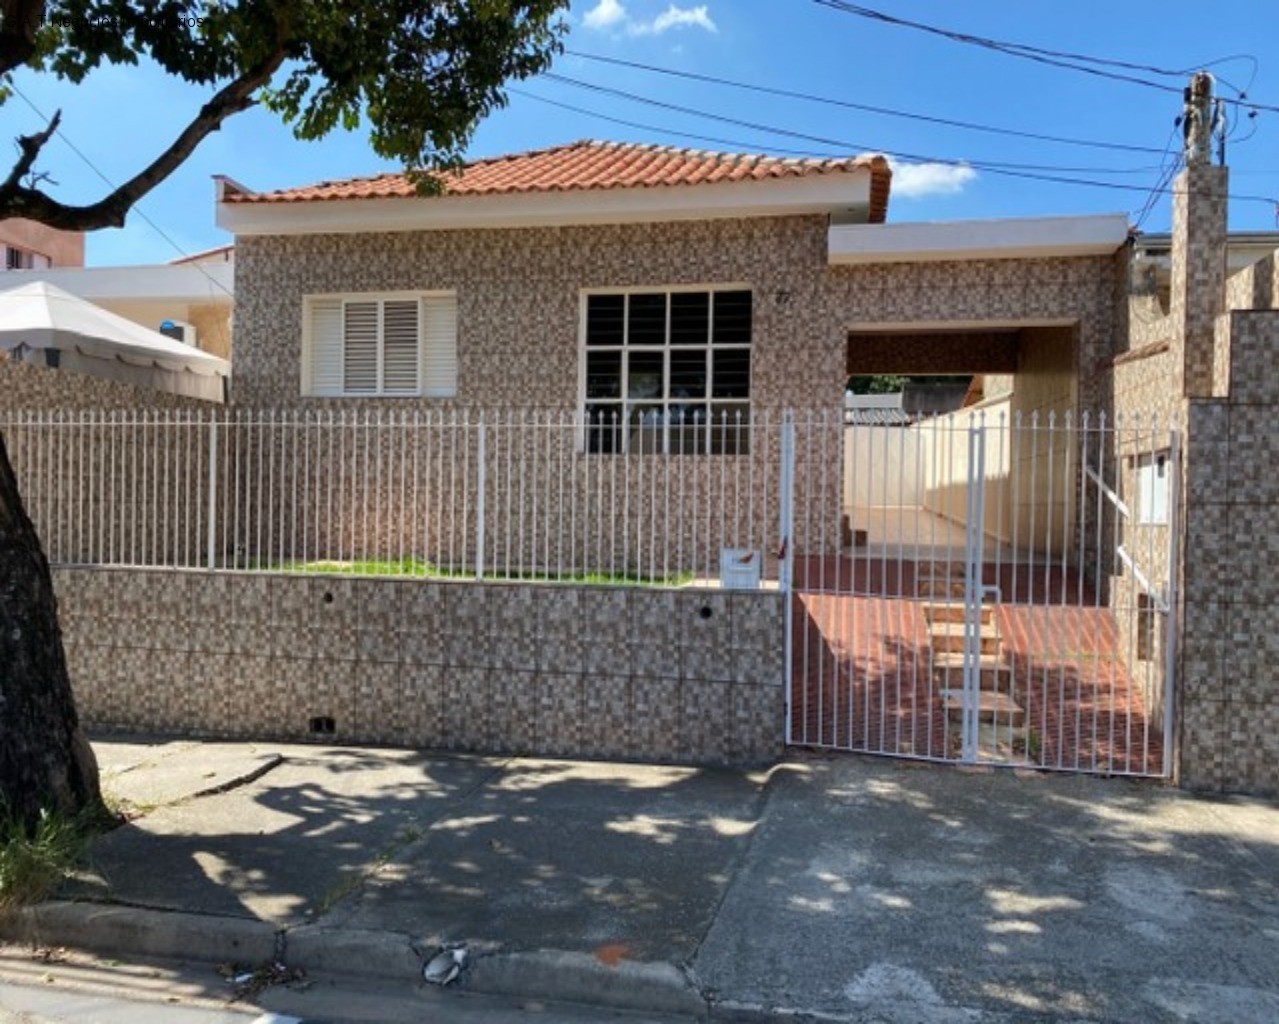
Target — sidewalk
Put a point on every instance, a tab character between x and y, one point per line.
853	888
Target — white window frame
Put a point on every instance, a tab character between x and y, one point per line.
1153	475
446	383
624	403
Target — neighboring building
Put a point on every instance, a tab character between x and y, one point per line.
189	300
193	297
28	245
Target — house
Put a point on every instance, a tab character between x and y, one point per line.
28	245
631	360
585	278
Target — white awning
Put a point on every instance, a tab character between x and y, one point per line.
41	323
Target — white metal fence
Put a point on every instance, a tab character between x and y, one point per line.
1001	590
979	586
485	495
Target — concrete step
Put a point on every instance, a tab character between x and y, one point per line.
948	638
953	611
948	671
991	707
999	744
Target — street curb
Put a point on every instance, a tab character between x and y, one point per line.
550	975
366	954
558	976
112	929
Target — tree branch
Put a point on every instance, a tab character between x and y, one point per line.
19	20
30	146
17	200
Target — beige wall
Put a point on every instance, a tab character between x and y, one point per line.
212	321
64	248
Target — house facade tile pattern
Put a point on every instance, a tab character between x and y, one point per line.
207	665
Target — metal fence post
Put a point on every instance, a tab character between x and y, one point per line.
786	556
1171	618
973	570
479	499
211	562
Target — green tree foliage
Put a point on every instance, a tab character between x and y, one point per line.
424	72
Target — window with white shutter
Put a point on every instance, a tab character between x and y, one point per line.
372	345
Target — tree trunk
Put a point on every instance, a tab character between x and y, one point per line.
46	762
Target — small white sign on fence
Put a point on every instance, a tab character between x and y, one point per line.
739	569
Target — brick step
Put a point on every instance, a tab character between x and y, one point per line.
940	579
994	673
991	707
953	611
948	638
939	588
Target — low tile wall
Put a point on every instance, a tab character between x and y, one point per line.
690	676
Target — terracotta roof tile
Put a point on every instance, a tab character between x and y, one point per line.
590	165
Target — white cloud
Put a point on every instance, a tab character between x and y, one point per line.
604	14
678	17
915	181
612	14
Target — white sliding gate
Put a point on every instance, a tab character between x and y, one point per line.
1000	590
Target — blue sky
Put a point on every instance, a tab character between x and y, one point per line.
122	116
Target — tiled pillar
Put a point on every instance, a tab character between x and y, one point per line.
1198	272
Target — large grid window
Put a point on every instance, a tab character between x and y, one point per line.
380	345
668	371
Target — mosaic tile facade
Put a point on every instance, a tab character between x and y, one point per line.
519	295
1199	272
519	300
24	387
689	676
1205	366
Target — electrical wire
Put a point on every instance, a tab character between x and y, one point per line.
734	144
136	208
1167	172
865	107
830	153
1042	55
1031	172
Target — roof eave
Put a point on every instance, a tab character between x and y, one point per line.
850	196
1015	238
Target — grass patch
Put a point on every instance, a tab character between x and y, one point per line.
419	569
33	862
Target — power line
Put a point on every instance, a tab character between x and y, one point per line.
832	151
137	208
735	144
1055	58
1167	172
866	107
1029	172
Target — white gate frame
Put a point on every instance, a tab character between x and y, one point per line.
974	560
786	556
1164	600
